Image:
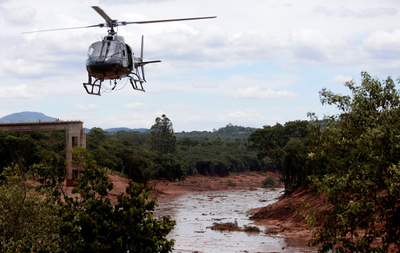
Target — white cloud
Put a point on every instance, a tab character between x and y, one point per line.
341	79
138	106
257	92
23	15
247	117
346	12
310	45
18	91
22	67
87	107
383	44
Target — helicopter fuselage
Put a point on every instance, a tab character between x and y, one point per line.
110	58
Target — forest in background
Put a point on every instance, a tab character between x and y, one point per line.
210	153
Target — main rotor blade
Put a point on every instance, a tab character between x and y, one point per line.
67	28
164	20
109	21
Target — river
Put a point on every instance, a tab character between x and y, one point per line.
196	212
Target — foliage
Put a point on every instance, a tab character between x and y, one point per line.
218	157
233	226
163	139
28	221
360	151
91	223
129	152
223	226
120	154
27	148
17	148
85	222
228	133
249	228
268	183
287	148
132	137
167	166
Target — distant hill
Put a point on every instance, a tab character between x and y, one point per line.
116	129
229	132
26	117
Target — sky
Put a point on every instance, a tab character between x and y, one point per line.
260	62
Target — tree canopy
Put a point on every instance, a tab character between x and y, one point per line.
287	147
49	220
163	139
360	152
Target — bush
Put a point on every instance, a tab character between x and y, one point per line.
268	183
43	221
231	183
251	229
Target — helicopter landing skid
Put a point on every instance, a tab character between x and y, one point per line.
92	88
137	83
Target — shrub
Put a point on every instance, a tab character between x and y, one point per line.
251	229
268	183
231	183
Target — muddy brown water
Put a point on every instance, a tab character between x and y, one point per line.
195	213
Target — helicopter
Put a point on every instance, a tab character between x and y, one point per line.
112	59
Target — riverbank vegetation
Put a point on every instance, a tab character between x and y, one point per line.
39	214
233	226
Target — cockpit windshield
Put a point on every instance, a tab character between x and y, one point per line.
104	49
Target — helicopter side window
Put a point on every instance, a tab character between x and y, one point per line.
95	49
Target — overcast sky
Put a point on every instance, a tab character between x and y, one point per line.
260	62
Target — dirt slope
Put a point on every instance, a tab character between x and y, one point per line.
283	216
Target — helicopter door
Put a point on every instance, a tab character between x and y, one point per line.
124	53
130	60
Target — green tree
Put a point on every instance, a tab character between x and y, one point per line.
17	148
95	137
296	167
167	166
163	139
52	221
360	149
286	146
28	220
91	223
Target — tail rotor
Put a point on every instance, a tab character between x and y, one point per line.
141	58
137	77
